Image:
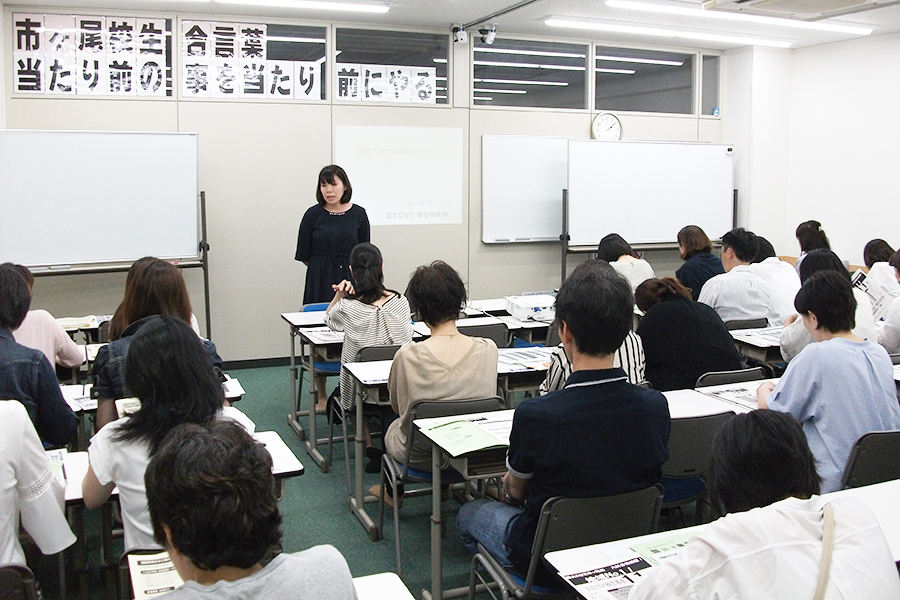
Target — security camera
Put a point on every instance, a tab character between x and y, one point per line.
459	34
488	34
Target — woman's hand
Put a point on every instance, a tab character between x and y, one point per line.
762	393
344	288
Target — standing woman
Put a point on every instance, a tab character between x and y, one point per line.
328	232
700	264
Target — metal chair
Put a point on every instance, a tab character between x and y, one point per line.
398	474
725	377
568	523
690	452
494	331
875	458
747	324
17	583
337	414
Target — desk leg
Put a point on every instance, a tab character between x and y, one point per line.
358	499
295	388
311	440
436	564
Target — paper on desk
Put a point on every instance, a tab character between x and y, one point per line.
127	406
766	337
74	323
740	394
91	351
232	388
57	460
323	335
523	359
880	299
78	397
152	575
661	549
475	432
610	581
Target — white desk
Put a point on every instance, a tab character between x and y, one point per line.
762	344
381	586
881	498
422	329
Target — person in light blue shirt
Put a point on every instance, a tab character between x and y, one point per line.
839	387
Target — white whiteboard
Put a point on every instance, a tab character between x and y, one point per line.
71	197
404	175
522	179
647	191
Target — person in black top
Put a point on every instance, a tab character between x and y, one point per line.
682	339
328	232
700	263
598	436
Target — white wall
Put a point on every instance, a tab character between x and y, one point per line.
844	129
258	164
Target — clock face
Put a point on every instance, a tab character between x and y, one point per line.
606	126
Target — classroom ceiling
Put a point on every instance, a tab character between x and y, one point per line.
527	20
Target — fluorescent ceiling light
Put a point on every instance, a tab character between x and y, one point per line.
368	7
527	52
521	82
669	33
620	71
643	61
488	98
491	63
486	91
736	16
439	60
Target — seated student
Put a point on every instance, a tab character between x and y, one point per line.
369	314
699	262
810	236
795	337
25	373
770	544
629	357
876	255
153	287
682	339
448	365
621	257
889	337
213	507
838	388
40	331
29	491
168	370
597	436
780	276
739	294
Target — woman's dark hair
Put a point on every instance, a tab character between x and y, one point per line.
875	251
811	236
613	246
821	260
765	250
693	240
436	293
653	291
829	296
758	458
894	262
15	297
327	175
169	372
212	486
26	273
153	287
597	306
366	272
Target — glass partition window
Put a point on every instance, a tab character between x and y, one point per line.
644	80
710	93
535	74
391	66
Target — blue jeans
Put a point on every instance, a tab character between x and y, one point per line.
487	522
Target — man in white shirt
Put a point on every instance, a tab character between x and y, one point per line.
781	277
738	294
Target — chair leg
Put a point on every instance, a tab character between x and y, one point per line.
381	500
330	410
396	526
344	415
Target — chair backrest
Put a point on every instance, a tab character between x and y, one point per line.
747	324
373	353
572	522
553	336
895	358
493	331
736	376
315	307
690	444
875	458
17	583
427	409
